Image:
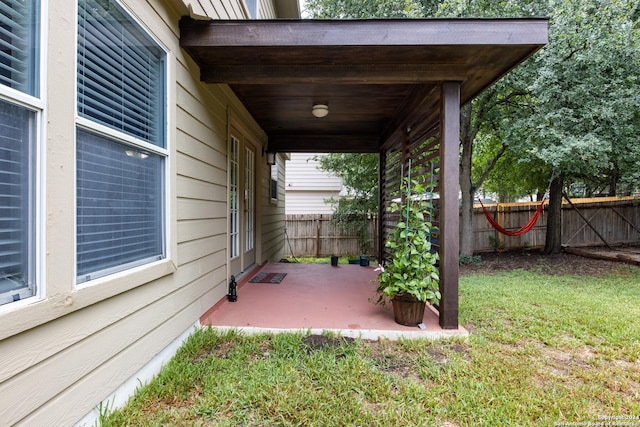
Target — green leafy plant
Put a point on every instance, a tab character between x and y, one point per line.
412	266
470	260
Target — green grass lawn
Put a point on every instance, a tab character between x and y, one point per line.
543	350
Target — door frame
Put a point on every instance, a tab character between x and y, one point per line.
246	138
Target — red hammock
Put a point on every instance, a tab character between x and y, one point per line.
525	228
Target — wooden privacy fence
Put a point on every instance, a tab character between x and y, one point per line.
587	223
317	236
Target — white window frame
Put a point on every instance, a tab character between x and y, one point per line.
234	197
82	123
36	103
274	182
255	10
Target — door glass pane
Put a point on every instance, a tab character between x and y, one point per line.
249	200
234	213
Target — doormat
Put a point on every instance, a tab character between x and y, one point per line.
263	277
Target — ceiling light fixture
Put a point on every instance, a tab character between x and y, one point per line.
320	110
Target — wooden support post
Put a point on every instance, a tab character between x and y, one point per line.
382	182
449	213
318	237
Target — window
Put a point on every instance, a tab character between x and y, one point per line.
19	45
274	182
120	142
234	202
252	5
19	79
249	199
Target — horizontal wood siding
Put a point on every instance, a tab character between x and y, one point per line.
309	202
273	214
267	10
303	174
56	371
308	187
615	219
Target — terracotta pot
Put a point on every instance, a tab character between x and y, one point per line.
407	310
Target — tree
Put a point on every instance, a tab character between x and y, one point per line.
359	174
362	9
577	102
487	117
570	114
585	95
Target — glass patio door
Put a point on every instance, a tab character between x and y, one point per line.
242	203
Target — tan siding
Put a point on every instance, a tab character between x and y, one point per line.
267	10
197	249
190	188
144	333
215	9
200	209
199	170
200	229
273	215
62	356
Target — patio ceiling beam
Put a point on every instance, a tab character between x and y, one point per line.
333	74
324	143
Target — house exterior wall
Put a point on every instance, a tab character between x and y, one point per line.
308	187
267	10
273	228
66	350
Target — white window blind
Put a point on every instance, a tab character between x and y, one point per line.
19	70
16	202
120	72
19	47
120	183
120	205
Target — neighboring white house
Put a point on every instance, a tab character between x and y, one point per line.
307	187
130	191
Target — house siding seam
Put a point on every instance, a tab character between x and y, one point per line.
80	349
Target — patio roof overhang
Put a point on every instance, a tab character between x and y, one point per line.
393	87
378	77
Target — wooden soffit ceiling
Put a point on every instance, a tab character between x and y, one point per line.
376	76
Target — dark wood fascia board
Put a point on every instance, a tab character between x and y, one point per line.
370	32
323	143
333	74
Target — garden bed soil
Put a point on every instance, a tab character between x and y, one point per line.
533	260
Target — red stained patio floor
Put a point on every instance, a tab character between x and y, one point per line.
317	298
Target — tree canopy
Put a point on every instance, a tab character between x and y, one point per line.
566	119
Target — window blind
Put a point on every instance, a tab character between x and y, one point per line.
19	35
120	73
16	202
119	206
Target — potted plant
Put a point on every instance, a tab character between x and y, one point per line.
410	277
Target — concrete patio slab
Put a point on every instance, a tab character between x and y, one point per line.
318	298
